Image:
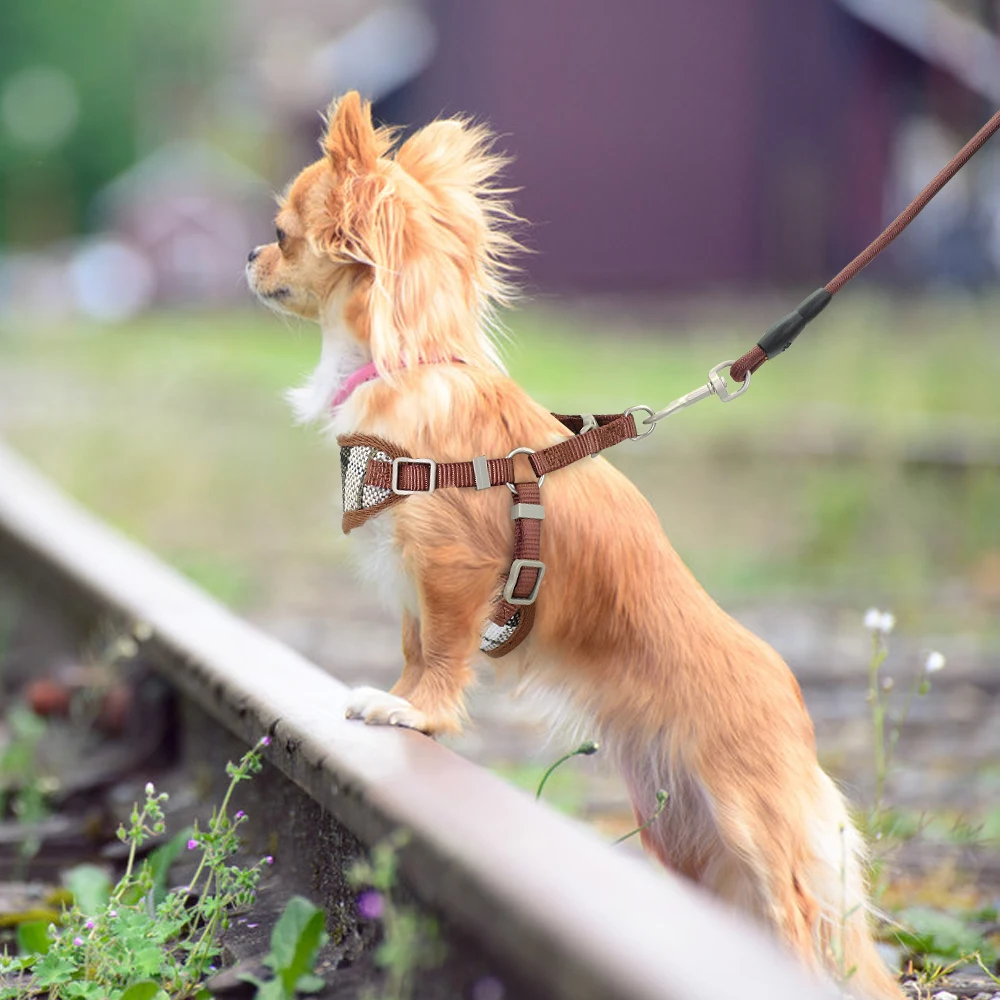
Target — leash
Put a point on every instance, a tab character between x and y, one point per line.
783	333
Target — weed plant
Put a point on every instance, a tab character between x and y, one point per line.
134	940
410	941
936	941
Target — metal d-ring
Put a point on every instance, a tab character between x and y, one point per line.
523	451
652	426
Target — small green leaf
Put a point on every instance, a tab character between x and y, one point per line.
273	990
33	938
296	938
53	970
90	886
309	984
146	990
931	932
148	961
85	991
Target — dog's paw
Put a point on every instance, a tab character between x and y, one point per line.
379	708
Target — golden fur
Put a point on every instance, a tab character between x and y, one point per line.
401	257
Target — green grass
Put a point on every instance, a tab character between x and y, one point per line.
173	427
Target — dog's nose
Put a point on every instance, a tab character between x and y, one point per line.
253	255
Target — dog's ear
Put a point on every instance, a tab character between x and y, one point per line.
351	139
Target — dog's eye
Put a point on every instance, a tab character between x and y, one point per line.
281	234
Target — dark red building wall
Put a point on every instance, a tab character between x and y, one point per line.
670	144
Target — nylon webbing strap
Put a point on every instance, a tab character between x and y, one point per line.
615	429
415	477
527	541
527	545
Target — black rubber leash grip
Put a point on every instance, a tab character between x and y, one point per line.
781	336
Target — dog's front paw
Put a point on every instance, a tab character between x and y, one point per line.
379	708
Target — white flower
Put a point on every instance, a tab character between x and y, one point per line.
127	647
880	621
150	790
934	662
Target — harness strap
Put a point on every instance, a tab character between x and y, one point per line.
377	474
525	572
415	477
611	429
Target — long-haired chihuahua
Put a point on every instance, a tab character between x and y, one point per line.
401	253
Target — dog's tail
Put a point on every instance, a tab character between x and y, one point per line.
794	860
836	880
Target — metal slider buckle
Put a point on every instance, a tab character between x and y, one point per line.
431	467
533	511
515	572
481	470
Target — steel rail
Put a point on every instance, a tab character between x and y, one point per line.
547	899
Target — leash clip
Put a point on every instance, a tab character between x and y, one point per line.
715	386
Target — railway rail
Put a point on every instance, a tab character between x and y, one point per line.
536	899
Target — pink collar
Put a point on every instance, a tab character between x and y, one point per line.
368	373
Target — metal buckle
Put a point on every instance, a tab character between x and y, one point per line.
481	470
522	451
532	511
515	572
649	410
432	481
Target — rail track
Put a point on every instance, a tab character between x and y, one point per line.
534	900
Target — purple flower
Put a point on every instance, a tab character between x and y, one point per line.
192	844
112	913
265	741
371	905
268	860
78	942
89	925
240	814
488	988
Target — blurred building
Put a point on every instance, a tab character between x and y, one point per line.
658	145
192	212
685	146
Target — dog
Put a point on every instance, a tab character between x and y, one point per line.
401	252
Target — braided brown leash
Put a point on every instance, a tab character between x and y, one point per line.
780	336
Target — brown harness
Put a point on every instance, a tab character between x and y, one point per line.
377	474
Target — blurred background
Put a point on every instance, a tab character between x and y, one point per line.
688	171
